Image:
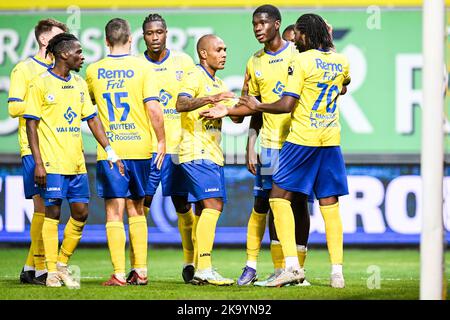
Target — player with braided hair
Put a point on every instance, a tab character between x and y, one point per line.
57	102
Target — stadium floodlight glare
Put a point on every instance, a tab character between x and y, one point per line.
432	157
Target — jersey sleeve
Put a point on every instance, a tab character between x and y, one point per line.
17	92
295	79
89	81
87	108
150	86
191	84
253	87
34	101
346	72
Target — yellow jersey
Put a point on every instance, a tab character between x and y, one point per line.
268	72
21	76
60	105
169	74
316	78
201	137
119	85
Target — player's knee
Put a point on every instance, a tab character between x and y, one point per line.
328	201
261	205
53	212
181	205
148	201
213	203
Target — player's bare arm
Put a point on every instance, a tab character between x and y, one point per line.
251	157
98	131
40	175
185	104
285	105
155	114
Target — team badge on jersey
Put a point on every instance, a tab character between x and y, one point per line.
70	115
82	97
179	75
258	74
279	89
50	98
164	97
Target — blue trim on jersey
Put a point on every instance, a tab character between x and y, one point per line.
118	55
157	62
14	99
277	52
42	63
209	75
184	94
320	49
291	94
29	116
60	78
89	117
151	99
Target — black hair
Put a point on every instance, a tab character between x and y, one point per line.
117	31
59	43
271	11
290	27
153	17
316	31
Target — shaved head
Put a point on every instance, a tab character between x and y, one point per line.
204	43
211	51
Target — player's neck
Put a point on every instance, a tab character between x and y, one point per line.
61	70
157	56
119	50
41	55
274	45
211	71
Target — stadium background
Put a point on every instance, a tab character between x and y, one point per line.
380	115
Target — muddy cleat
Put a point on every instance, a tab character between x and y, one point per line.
188	273
136	280
286	277
337	280
269	279
66	277
114	281
247	277
53	280
26	277
40	281
210	276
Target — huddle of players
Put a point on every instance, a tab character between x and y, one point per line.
185	157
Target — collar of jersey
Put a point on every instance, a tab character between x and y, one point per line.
321	50
118	55
60	78
42	63
206	71
157	62
277	52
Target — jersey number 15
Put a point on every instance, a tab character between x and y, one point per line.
117	104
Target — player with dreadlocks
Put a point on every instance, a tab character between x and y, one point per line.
311	158
34	271
57	102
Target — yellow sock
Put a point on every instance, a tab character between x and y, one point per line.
301	253
139	238
277	254
29	262
255	232
115	233
285	225
333	232
72	236
206	231
185	221
50	238
132	263
36	240
194	239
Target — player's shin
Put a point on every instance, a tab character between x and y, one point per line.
206	231
139	238
72	236
50	238
185	226
334	232
37	242
255	232
115	233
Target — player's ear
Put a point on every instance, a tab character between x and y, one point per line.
277	24
203	54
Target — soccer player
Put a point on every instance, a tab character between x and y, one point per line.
267	71
289	33
169	67
124	89
34	270
57	101
311	158
201	157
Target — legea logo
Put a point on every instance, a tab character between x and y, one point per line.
70	115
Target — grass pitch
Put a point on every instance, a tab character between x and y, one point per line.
397	271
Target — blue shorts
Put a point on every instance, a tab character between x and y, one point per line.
263	179
74	188
171	176
205	180
312	169
30	187
111	184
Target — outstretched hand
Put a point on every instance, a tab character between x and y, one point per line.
218	111
250	102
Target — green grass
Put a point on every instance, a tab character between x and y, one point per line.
399	271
